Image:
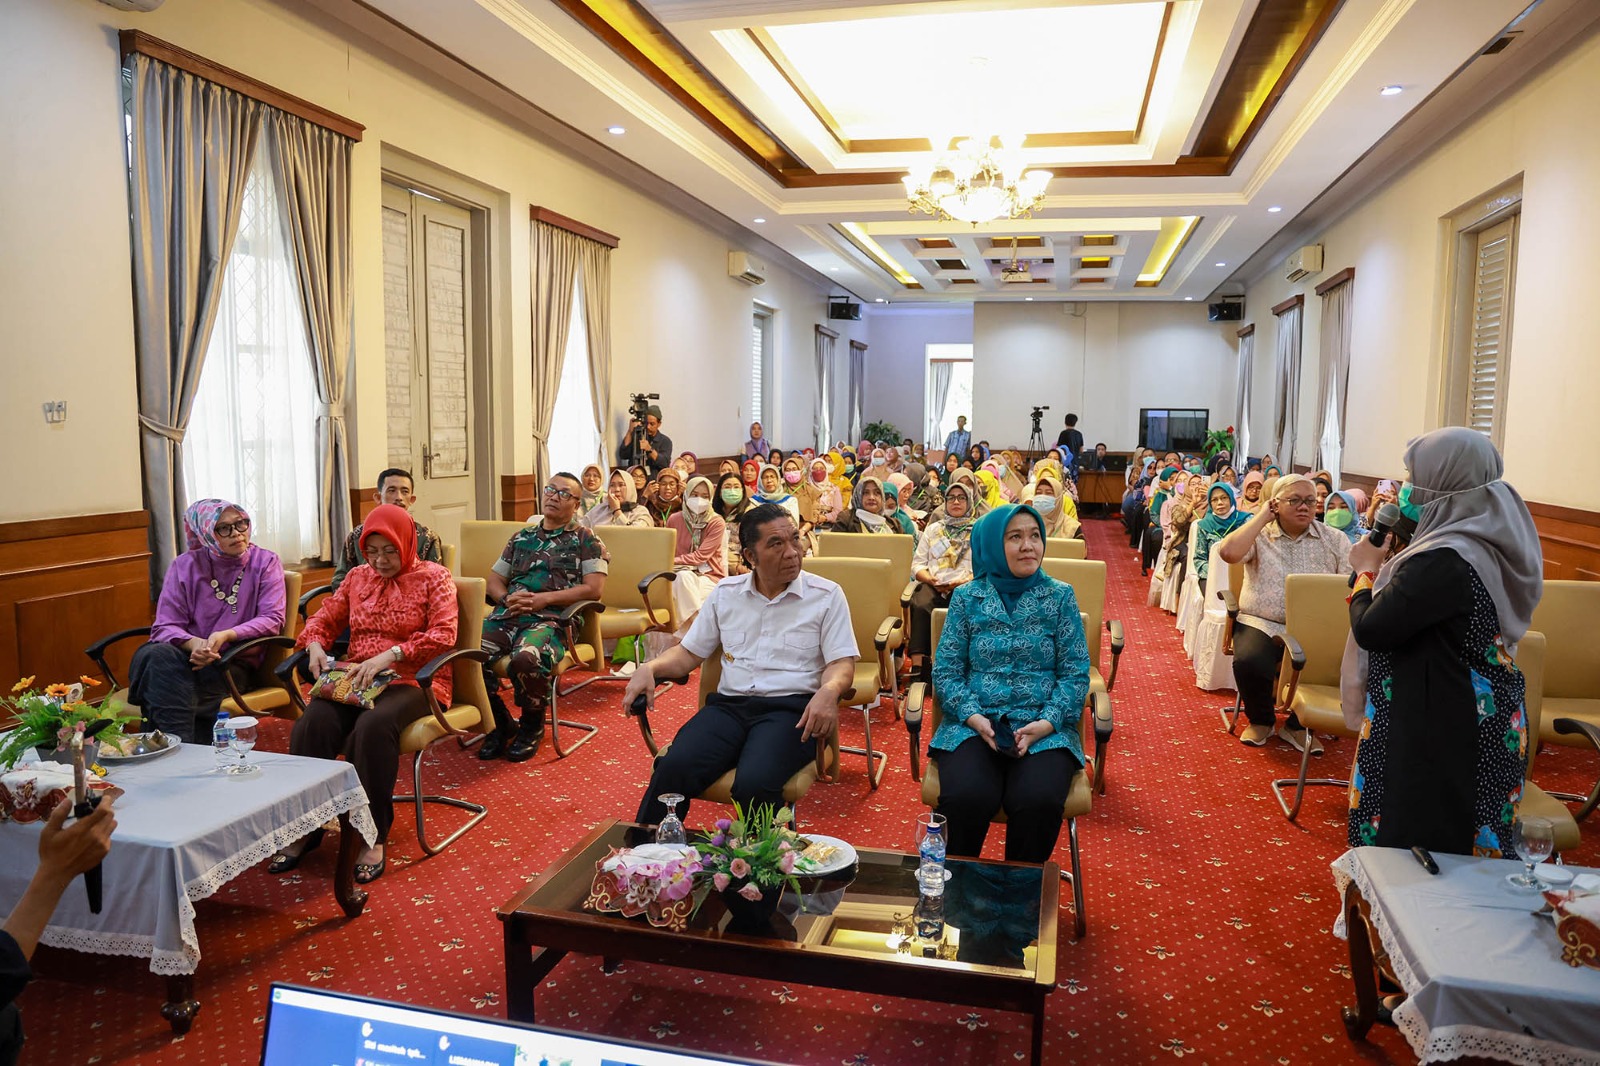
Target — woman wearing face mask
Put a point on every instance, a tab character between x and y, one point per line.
684	463
771	490
894	489
221	591
619	506
1058	510
941	563
878	463
1250	492
1222	517
1342	514
993	468
667	498
1154	534
868	510
593	481
730	502
993	494
847	471
700	558
1444	742
820	499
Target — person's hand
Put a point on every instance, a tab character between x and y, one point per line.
317	660
201	653
220	639
67	851
362	674
981	725
524	602
642	683
1031	732
1366	556
820	716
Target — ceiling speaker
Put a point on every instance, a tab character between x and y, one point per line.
1232	311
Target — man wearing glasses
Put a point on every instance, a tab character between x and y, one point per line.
1283	538
547	565
394	486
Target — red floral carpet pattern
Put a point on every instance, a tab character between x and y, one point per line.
1209	914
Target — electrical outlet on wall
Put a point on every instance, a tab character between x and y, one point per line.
55	412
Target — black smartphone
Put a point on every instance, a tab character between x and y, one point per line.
1005	738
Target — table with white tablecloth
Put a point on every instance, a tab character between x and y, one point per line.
1482	976
183	831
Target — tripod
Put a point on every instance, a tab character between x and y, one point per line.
1036	440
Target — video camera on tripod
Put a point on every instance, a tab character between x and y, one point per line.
1036	438
640	407
1037	414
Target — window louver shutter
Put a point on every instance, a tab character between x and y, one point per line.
758	367
1491	311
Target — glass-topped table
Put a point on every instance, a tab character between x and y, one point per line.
848	931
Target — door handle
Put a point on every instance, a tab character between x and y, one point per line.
427	461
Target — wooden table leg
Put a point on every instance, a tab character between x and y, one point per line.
181	1006
1363	967
524	971
352	900
1038	1032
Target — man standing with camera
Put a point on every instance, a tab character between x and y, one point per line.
645	445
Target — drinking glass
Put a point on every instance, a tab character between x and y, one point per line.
244	739
1534	840
670	831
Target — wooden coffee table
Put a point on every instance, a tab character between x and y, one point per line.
1003	916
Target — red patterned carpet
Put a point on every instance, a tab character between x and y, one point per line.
1209	914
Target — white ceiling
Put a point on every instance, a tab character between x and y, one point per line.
898	70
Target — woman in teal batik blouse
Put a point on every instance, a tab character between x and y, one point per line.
1012	673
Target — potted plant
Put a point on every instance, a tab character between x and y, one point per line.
1218	439
45	721
750	860
881	430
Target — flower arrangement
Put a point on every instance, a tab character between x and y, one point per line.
643	883
752	852
47	719
1218	439
654	880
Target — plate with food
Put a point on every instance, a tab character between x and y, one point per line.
137	747
823	855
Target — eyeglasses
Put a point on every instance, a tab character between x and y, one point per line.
228	529
560	494
375	554
1300	501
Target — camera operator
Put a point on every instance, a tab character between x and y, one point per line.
645	445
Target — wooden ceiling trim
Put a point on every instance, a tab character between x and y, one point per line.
573	226
1155	65
1347	274
1290	304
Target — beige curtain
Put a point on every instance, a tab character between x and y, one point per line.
596	267
1286	388
192	142
1335	351
557	258
822	423
1241	400
856	398
311	165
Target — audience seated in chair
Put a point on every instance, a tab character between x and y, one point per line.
866	513
1283	538
1342	512
700	559
220	592
1250	489
942	564
820	499
1058	508
664	497
770	489
620	505
899	518
395	486
546	566
1012	672
594	488
788	655
401	612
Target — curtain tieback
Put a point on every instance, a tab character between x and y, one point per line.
172	433
539	438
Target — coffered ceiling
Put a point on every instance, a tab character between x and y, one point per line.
1182	135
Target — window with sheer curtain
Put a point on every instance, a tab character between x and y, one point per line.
574	438
252	431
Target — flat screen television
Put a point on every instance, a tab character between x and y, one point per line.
1173	429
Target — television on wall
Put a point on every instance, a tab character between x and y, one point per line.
1173	428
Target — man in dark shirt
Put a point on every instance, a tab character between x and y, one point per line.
394	486
1070	438
646	445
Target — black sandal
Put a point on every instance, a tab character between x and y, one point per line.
1386	1008
283	861
368	872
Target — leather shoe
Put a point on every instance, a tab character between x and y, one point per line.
524	747
284	861
368	872
493	745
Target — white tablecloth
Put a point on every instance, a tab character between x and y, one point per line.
181	835
1482	975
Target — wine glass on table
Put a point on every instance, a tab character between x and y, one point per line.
1534	839
243	740
671	831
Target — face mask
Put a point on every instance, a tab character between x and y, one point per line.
1004	470
1045	505
879	460
849	468
819	476
1194	468
792	476
731	497
1410	510
905	449
1339	519
697	504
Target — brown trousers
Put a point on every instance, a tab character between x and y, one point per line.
369	741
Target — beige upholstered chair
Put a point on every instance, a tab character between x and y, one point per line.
1533	659
1566	616
1080	795
897	548
1088	580
1066	548
638	593
1317	618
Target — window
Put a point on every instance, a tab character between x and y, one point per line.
760	361
252	430
949	390
574	438
1484	250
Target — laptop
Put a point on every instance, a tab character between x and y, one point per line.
317	1027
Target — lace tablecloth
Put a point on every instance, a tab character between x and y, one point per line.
1483	977
181	835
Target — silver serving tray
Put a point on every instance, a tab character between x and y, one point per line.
107	758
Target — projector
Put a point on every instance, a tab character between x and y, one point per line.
1016	274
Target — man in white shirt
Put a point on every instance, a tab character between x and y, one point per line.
788	654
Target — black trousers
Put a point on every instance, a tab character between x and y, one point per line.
175	697
755	736
1256	661
369	741
924	601
1151	546
1133	518
976	782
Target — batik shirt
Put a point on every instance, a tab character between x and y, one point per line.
537	559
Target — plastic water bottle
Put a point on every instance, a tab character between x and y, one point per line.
221	738
932	848
929	914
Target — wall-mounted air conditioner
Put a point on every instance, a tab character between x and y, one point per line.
747	268
1303	262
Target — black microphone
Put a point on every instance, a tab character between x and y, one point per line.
1390	519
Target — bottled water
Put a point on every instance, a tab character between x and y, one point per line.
932	848
221	737
929	914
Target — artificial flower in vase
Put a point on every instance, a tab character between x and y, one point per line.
750	860
44	721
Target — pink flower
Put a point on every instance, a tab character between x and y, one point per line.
739	868
751	891
784	845
787	862
720	881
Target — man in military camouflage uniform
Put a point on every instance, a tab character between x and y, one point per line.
547	566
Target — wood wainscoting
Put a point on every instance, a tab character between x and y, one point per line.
67	582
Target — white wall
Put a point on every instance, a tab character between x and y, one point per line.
897	359
680	326
1547	132
1103	361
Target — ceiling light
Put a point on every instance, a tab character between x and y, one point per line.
879	300
1391	90
1027	299
1273	210
616	131
976	183
1188	298
759	221
1222	264
834	269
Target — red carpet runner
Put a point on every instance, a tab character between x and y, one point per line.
1209	913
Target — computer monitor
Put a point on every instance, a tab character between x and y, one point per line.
315	1027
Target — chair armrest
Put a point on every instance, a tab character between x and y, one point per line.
640	709
425	682
907	592
289	673
645	584
1296	657
97	650
305	600
1100	706
1118	641
1591	733
880	640
916	701
276	640
572	618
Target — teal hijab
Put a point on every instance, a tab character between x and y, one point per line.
1216	528
989	554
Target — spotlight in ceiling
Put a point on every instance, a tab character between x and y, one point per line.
616	131
1222	264
1027	299
879	300
759	221
1187	298
1391	90
1273	210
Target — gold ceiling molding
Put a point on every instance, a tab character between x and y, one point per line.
1275	45
1175	233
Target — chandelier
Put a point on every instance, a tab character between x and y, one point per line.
975	183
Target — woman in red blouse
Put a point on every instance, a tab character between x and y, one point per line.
401	612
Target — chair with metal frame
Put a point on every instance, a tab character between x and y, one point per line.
921	700
1316	617
640	558
1571	695
1534	661
898	549
466	717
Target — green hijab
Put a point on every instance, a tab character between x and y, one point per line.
989	554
